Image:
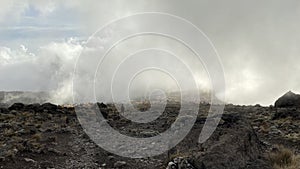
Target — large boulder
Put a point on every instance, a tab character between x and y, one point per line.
289	99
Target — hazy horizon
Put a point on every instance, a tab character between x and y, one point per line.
204	96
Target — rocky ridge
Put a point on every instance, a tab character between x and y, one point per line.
50	136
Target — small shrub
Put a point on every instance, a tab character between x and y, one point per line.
265	127
8	132
36	137
11	153
52	139
177	154
283	158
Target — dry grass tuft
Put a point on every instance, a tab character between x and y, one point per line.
36	137
265	127
8	132
177	154
283	158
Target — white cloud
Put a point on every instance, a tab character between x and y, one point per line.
50	68
9	56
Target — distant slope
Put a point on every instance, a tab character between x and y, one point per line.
23	97
188	96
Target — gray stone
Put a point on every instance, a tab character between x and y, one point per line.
120	164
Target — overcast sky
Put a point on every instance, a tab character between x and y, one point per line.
258	41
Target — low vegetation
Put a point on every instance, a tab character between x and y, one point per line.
284	158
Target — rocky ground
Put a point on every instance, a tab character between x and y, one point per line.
50	136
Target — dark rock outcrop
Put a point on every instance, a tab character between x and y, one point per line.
289	99
285	113
3	110
233	145
16	106
49	106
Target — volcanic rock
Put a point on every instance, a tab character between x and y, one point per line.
120	164
3	110
233	145
16	106
49	106
180	163
285	113
289	99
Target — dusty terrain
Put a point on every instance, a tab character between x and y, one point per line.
50	136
